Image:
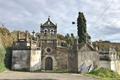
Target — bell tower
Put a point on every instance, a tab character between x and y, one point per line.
48	41
48	30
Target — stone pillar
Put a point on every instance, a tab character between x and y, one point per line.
26	36
33	34
18	35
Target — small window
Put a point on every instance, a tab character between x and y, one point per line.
48	50
45	31
52	31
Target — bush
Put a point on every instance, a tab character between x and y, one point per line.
2	56
105	74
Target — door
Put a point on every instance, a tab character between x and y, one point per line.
48	63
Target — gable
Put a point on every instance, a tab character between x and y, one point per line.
87	47
48	23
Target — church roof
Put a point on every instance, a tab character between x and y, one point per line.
48	23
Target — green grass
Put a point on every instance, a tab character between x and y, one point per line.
104	74
2	67
2	57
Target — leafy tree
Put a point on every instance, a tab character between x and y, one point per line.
70	39
60	37
6	42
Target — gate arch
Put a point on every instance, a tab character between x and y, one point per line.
54	63
48	63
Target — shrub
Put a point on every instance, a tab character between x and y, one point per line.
105	74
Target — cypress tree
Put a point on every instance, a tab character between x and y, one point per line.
81	27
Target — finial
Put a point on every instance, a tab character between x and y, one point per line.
33	32
18	35
26	35
48	17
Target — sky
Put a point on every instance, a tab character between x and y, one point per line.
103	16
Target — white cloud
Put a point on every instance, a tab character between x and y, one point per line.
102	15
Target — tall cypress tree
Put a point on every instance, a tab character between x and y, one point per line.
81	27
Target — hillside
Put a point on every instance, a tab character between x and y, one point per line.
6	41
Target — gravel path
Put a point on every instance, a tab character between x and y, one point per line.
13	75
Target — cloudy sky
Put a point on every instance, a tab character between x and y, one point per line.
103	16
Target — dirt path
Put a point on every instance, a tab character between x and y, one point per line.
42	76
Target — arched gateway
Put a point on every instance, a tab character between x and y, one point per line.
48	63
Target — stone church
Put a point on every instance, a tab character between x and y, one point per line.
44	52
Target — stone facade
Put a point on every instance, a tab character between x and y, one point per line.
26	55
84	59
48	44
62	58
20	59
44	52
109	59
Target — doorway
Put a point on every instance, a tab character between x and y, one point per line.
48	63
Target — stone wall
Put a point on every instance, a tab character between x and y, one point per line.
62	58
35	60
112	65
118	67
73	60
87	60
104	64
83	58
29	60
20	59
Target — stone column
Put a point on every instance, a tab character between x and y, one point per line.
18	35
26	35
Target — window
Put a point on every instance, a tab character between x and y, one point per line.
52	31
45	31
48	50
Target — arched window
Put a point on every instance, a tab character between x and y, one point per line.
45	31
52	31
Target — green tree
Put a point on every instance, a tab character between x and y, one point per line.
70	39
81	26
60	37
67	38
